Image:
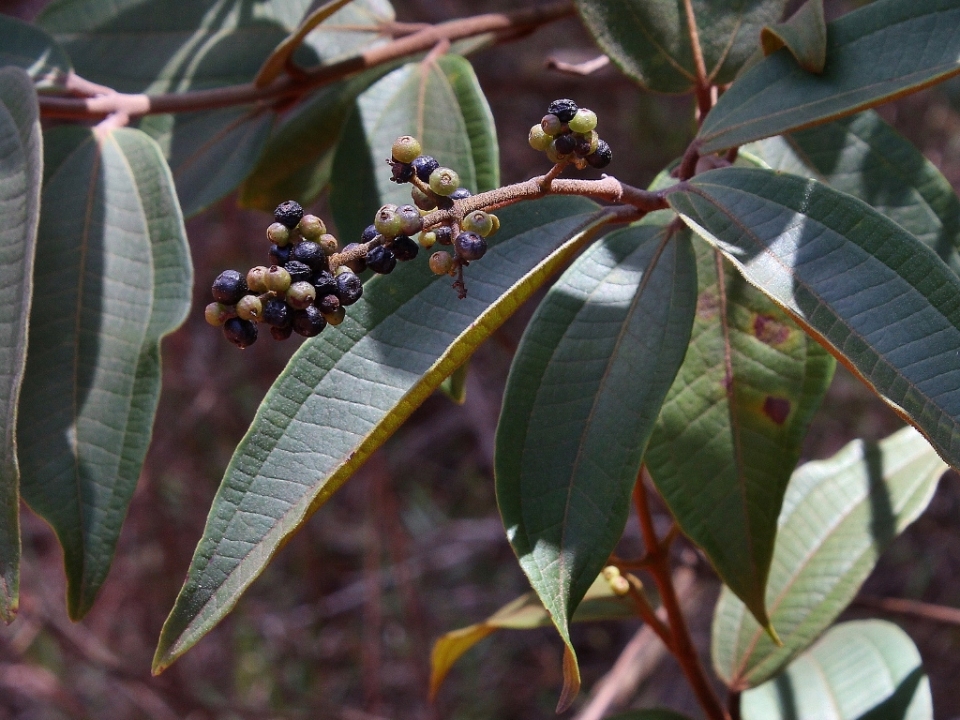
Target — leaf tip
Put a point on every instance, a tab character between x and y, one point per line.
571	679
771	631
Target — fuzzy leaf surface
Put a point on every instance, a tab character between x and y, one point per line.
838	517
28	47
344	392
884	50
112	248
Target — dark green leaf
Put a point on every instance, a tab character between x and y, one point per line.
804	35
113	261
30	48
873	294
879	52
838	517
863	156
346	391
732	426
583	394
865	670
20	175
650	39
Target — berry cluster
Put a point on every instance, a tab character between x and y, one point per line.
296	293
567	134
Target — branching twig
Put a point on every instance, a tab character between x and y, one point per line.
585	68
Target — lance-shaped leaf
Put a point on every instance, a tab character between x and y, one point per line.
864	670
879	52
838	517
804	35
524	613
30	48
863	156
732	426
441	104
875	296
21	164
344	392
651	40
115	270
650	714
583	394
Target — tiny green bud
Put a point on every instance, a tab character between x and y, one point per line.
388	221
427	239
538	139
479	222
584	121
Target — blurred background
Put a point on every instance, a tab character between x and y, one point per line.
342	622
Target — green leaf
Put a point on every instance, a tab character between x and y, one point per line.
455	385
524	613
651	714
650	39
804	35
583	394
113	260
21	168
30	48
732	426
863	156
441	104
838	517
344	392
884	50
348	32
864	670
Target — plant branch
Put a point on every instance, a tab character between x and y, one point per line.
106	102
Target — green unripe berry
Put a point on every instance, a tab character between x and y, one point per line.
422	200
496	223
217	313
441	263
584	121
328	243
406	149
341	269
411	221
250	308
538	139
388	221
277	279
551	125
301	294
427	239
336	317
444	181
278	233
478	222
256	279
311	227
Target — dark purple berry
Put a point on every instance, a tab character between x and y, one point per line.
564	108
381	260
402	172
241	333
308	322
349	288
369	233
325	283
277	313
565	144
281	333
229	287
404	248
298	271
600	157
279	255
583	147
311	254
288	213
358	265
328	304
470	246
460	193
444	235
424	165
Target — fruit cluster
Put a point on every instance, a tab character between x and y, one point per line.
567	133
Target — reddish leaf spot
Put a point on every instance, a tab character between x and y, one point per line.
777	409
708	305
769	330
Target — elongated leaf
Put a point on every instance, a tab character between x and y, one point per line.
865	670
651	714
881	51
524	613
863	156
804	35
30	48
874	295
442	105
583	394
838	517
344	392
21	170
112	255
650	39
733	423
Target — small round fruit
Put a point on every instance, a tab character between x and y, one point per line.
461	193
441	262
401	172
555	157
583	121
336	317
255	276
381	260
349	288
564	144
444	181
217	313
300	295
281	333
388	221
288	213
328	304
310	254
410	220
369	233
277	279
358	264
277	313
278	233
496	224
444	235
325	283
564	108
250	308
229	287
478	222
279	255
312	227
538	139
308	322
404	248
583	146
240	332
427	239
406	149
424	166
298	271
470	246
551	125
328	244
601	157
422	200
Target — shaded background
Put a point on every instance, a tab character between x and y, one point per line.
341	623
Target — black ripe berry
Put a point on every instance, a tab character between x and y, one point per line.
277	313
424	166
324	283
288	213
349	288
310	254
281	333
460	193
404	248
381	260
279	255
229	287
241	333
584	147
444	235
601	157
565	144
308	322
369	233
470	246
564	108
298	270
402	172
328	304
